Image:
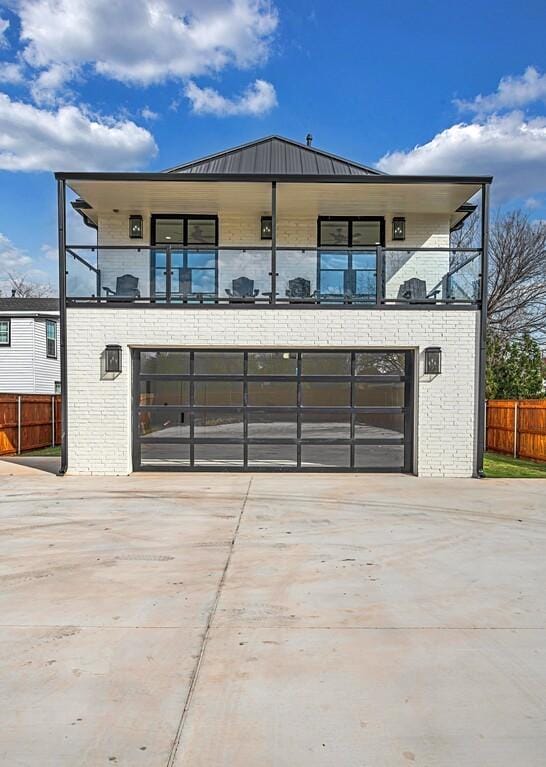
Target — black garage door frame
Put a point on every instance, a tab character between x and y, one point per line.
192	409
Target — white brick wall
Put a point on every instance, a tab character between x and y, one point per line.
99	411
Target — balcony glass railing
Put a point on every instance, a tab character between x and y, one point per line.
355	277
431	275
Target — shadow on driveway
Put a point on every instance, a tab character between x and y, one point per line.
48	463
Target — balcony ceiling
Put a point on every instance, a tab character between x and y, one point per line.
311	198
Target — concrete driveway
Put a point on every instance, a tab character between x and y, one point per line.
224	620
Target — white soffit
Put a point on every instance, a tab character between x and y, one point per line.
292	198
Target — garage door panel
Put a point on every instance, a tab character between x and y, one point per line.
211	424
160	454
257	410
267	424
272	455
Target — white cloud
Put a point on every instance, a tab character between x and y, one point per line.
68	138
510	147
50	252
50	82
146	41
11	73
258	99
12	258
4	25
512	92
149	114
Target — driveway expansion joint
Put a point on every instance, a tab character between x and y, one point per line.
206	634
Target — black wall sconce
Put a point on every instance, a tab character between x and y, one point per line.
135	227
112	359
266	231
399	228
433	360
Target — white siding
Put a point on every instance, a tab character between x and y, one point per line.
24	366
46	369
99	411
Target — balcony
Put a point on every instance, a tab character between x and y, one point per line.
265	277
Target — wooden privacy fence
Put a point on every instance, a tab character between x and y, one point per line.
29	421
517	427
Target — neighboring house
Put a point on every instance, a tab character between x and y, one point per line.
29	346
273	307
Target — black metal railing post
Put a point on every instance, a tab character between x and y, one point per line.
379	275
274	274
168	272
99	280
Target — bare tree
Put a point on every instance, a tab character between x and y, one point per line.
469	235
21	287
517	280
517	271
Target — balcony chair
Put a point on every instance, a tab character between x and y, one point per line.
242	287
126	288
299	287
413	289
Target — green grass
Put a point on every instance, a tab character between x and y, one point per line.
45	451
499	466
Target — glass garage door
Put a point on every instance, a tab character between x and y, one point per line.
270	410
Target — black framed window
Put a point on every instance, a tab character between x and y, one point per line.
190	272
348	275
51	338
350	231
5	332
184	230
309	410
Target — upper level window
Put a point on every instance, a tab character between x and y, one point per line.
350	231
184	230
51	338
5	332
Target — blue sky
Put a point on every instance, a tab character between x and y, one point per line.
410	87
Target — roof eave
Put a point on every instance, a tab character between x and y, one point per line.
268	177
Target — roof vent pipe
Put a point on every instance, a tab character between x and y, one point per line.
309	139
13	292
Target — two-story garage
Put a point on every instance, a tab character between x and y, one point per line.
273	307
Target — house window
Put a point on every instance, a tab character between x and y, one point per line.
57	387
5	332
184	230
192	266
351	231
51	338
347	258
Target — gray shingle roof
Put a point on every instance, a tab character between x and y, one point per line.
275	155
29	304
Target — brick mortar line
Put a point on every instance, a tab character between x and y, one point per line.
197	668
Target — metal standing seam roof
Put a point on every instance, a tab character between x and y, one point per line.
275	155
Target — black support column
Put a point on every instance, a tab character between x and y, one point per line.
482	359
61	213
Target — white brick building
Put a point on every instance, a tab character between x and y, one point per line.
273	307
